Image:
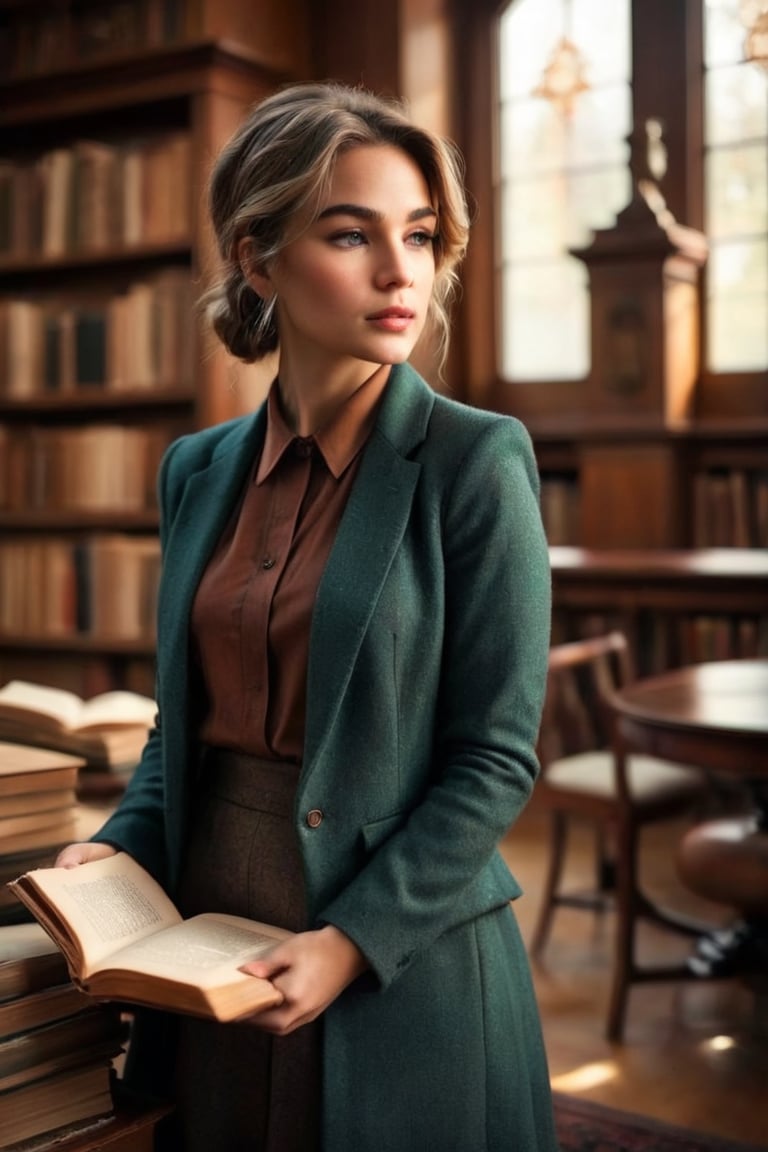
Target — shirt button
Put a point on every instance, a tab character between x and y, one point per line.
303	447
268	562
314	818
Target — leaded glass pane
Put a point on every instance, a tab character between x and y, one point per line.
603	33
545	321
594	200
562	173
736	194
533	138
736	307
737	191
736	105
723	33
528	31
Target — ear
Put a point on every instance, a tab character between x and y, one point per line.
255	272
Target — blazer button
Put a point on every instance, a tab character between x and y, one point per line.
314	818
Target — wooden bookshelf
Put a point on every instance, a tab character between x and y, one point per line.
111	115
676	606
702	485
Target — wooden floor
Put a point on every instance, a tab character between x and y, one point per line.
694	1053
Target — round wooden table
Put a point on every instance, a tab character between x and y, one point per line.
712	715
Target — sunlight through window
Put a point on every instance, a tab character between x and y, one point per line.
564	115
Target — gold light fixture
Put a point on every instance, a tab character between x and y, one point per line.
754	16
564	77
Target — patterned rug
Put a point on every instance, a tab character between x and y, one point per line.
585	1126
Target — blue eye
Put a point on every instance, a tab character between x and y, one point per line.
351	238
422	239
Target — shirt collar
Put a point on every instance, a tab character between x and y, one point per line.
338	441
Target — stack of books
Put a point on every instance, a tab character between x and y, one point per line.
38	813
58	1047
107	732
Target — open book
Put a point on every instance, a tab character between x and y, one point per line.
124	940
110	728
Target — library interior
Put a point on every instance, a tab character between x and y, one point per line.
613	299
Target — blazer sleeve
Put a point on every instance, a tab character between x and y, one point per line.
441	866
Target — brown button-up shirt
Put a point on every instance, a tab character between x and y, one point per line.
253	608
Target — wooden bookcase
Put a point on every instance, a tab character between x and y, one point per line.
676	606
110	117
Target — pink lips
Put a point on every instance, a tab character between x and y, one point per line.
392	319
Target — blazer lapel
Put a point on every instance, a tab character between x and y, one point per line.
207	502
370	531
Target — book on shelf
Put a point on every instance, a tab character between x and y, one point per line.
57	1047
22	1013
111	727
58	831
67	1097
124	940
26	803
26	770
29	961
45	1018
95	1034
38	811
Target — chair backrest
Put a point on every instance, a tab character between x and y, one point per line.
582	677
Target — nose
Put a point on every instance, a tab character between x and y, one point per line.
395	267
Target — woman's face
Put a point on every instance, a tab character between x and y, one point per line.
356	284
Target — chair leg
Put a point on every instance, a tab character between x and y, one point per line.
605	862
558	838
624	952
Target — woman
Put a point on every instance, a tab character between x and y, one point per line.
352	646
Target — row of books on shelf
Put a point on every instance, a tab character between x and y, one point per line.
561	509
731	508
35	40
94	196
101	585
95	468
59	1049
667	640
139	339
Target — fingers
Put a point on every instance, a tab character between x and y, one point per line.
310	969
265	967
75	854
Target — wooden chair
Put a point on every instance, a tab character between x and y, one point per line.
585	775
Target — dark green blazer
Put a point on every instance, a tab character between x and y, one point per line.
427	667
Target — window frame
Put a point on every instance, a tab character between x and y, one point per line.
665	34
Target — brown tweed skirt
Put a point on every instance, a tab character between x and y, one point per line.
239	1088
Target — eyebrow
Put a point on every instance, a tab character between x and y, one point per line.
361	213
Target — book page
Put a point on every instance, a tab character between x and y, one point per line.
202	950
55	705
19	942
25	701
105	905
118	708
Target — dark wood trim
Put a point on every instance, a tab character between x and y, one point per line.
155	75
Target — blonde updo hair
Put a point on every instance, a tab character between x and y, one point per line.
280	161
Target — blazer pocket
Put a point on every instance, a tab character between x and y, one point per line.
376	832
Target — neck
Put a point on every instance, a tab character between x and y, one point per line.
309	405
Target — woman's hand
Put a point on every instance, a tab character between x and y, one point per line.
75	854
310	969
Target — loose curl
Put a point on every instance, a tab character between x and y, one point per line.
281	161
